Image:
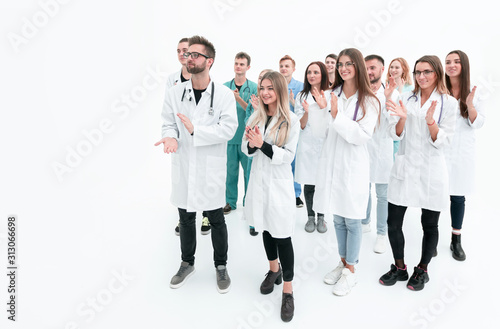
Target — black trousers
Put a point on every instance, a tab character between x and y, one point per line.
283	249
429	220
187	230
309	196
457	211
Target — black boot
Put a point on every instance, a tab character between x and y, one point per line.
456	247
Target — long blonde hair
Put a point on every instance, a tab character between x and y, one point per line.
282	125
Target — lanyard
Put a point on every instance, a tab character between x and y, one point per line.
357	105
440	112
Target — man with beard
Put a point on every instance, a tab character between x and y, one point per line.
380	150
199	117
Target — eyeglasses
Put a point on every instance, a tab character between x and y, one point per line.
426	73
194	55
347	65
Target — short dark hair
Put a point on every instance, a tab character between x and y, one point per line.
183	40
243	54
335	57
377	57
209	47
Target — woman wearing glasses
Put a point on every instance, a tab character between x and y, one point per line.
343	175
424	121
460	157
271	138
312	101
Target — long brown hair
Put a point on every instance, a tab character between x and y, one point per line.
361	79
324	85
283	124
464	81
438	69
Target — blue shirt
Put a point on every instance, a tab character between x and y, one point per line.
296	87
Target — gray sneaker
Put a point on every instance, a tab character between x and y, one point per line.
321	226
223	280
310	225
184	272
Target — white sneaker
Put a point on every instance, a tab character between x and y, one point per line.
345	283
380	244
366	228
333	276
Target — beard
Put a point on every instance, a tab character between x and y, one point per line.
375	80
196	69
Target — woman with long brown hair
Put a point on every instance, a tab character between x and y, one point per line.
424	122
271	138
460	157
343	177
311	103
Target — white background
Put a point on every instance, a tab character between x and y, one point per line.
65	72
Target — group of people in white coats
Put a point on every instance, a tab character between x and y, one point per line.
337	128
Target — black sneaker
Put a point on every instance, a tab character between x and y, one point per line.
252	231
205	226
394	275
299	202
418	279
177	232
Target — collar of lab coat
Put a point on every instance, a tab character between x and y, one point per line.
189	88
435	96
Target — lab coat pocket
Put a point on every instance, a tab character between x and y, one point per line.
281	191
216	171
318	121
175	169
398	168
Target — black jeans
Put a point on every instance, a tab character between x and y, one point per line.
283	248
430	239
457	211
187	230
309	196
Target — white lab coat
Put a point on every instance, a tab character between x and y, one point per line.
380	146
419	177
310	145
270	201
174	79
199	165
461	155
343	175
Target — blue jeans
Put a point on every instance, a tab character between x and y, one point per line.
298	189
349	233
381	190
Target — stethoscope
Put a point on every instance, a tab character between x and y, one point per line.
357	104
440	112
190	98
242	87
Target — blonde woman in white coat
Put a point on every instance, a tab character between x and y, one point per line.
460	157
343	176
271	138
313	102
424	121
